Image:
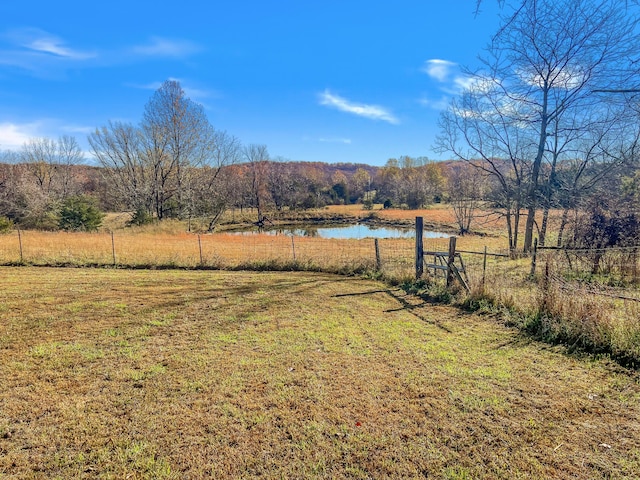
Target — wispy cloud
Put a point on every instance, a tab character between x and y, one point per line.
14	135
77	129
441	104
164	47
452	82
46	55
346	141
45	43
40	53
439	69
373	112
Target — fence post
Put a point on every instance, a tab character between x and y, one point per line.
419	247
484	266
534	257
20	244
450	260
200	248
378	261
113	248
293	248
545	286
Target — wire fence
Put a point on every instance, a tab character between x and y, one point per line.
612	272
393	257
594	291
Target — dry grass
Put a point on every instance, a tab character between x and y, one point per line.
135	248
192	374
583	320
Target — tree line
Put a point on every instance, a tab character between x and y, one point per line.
551	123
175	164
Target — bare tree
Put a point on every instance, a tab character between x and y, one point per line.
477	130
176	137
257	157
118	149
212	186
40	156
541	71
156	166
466	188
69	156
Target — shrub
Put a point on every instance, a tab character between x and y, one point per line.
6	225
80	213
140	217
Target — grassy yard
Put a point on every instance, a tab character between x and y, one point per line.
190	374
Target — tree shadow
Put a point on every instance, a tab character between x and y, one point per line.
404	305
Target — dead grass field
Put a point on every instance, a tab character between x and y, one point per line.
195	374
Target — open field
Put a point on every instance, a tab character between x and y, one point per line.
188	374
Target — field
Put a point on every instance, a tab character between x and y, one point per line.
109	373
563	302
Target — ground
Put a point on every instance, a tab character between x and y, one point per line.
187	374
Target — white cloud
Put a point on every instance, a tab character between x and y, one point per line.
438	69
476	84
44	43
13	136
55	47
346	141
566	78
373	112
164	47
77	129
46	55
440	104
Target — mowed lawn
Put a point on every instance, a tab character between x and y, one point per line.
198	374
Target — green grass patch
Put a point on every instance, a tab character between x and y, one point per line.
200	374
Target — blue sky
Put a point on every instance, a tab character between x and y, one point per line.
332	81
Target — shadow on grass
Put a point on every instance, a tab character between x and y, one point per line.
404	305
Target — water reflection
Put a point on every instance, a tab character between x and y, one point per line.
347	232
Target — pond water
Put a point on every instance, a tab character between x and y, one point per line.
348	232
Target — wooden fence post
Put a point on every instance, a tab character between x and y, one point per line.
200	248
484	266
378	261
419	247
113	248
545	286
293	248
534	257
20	244
450	260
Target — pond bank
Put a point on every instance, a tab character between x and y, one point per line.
315	218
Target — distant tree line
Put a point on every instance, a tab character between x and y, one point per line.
174	164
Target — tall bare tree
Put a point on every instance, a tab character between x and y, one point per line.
156	167
257	158
542	70
176	137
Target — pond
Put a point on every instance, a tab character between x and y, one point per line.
347	232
